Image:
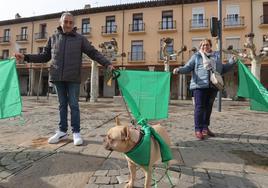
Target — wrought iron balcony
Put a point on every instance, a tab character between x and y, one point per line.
109	29
198	24
136	27
264	19
86	31
40	36
5	39
22	37
167	25
234	22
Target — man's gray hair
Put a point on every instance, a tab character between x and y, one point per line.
65	14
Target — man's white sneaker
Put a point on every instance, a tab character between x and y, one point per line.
57	137
77	139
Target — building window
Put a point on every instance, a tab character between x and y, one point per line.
110	24
137	22
265	13
170	50
85	26
23	50
43	30
137	53
235	43
167	20
232	15
6	35
198	17
5	54
24	33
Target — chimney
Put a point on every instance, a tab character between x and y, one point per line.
17	16
87	6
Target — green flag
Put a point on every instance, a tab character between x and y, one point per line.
146	93
250	87
10	99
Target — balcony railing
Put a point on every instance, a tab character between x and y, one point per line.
136	27
22	37
40	36
199	24
264	19
5	39
136	56
109	29
167	25
171	58
234	22
86	31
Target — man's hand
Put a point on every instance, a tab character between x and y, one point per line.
176	70
19	57
110	67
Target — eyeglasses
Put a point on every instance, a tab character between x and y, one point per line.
68	22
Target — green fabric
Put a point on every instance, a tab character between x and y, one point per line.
142	150
149	92
250	87
10	99
147	96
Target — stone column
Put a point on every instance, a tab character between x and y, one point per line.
94	87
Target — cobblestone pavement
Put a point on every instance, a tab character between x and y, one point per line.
236	157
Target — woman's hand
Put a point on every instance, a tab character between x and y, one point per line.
19	57
176	70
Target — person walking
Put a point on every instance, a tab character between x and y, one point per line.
204	92
87	88
64	49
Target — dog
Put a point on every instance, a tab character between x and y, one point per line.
123	138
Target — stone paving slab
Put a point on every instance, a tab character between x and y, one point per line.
236	157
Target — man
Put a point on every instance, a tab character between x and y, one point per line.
87	88
65	49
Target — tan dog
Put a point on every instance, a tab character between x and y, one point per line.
123	138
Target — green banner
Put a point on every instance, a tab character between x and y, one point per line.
146	93
10	99
251	87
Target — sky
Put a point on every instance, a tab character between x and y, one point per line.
28	8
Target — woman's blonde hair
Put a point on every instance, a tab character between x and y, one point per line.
205	40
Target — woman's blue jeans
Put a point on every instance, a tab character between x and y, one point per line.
204	99
68	94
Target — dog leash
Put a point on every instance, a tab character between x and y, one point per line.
165	174
115	74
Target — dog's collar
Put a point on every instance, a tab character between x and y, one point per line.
141	134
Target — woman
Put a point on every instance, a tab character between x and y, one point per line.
204	92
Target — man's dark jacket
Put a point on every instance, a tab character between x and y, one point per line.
65	51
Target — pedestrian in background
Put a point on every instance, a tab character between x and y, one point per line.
65	49
87	88
204	92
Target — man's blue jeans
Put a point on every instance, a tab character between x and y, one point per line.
204	99
68	94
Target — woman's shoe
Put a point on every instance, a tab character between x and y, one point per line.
210	133
205	132
199	135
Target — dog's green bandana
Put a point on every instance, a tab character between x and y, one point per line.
140	154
